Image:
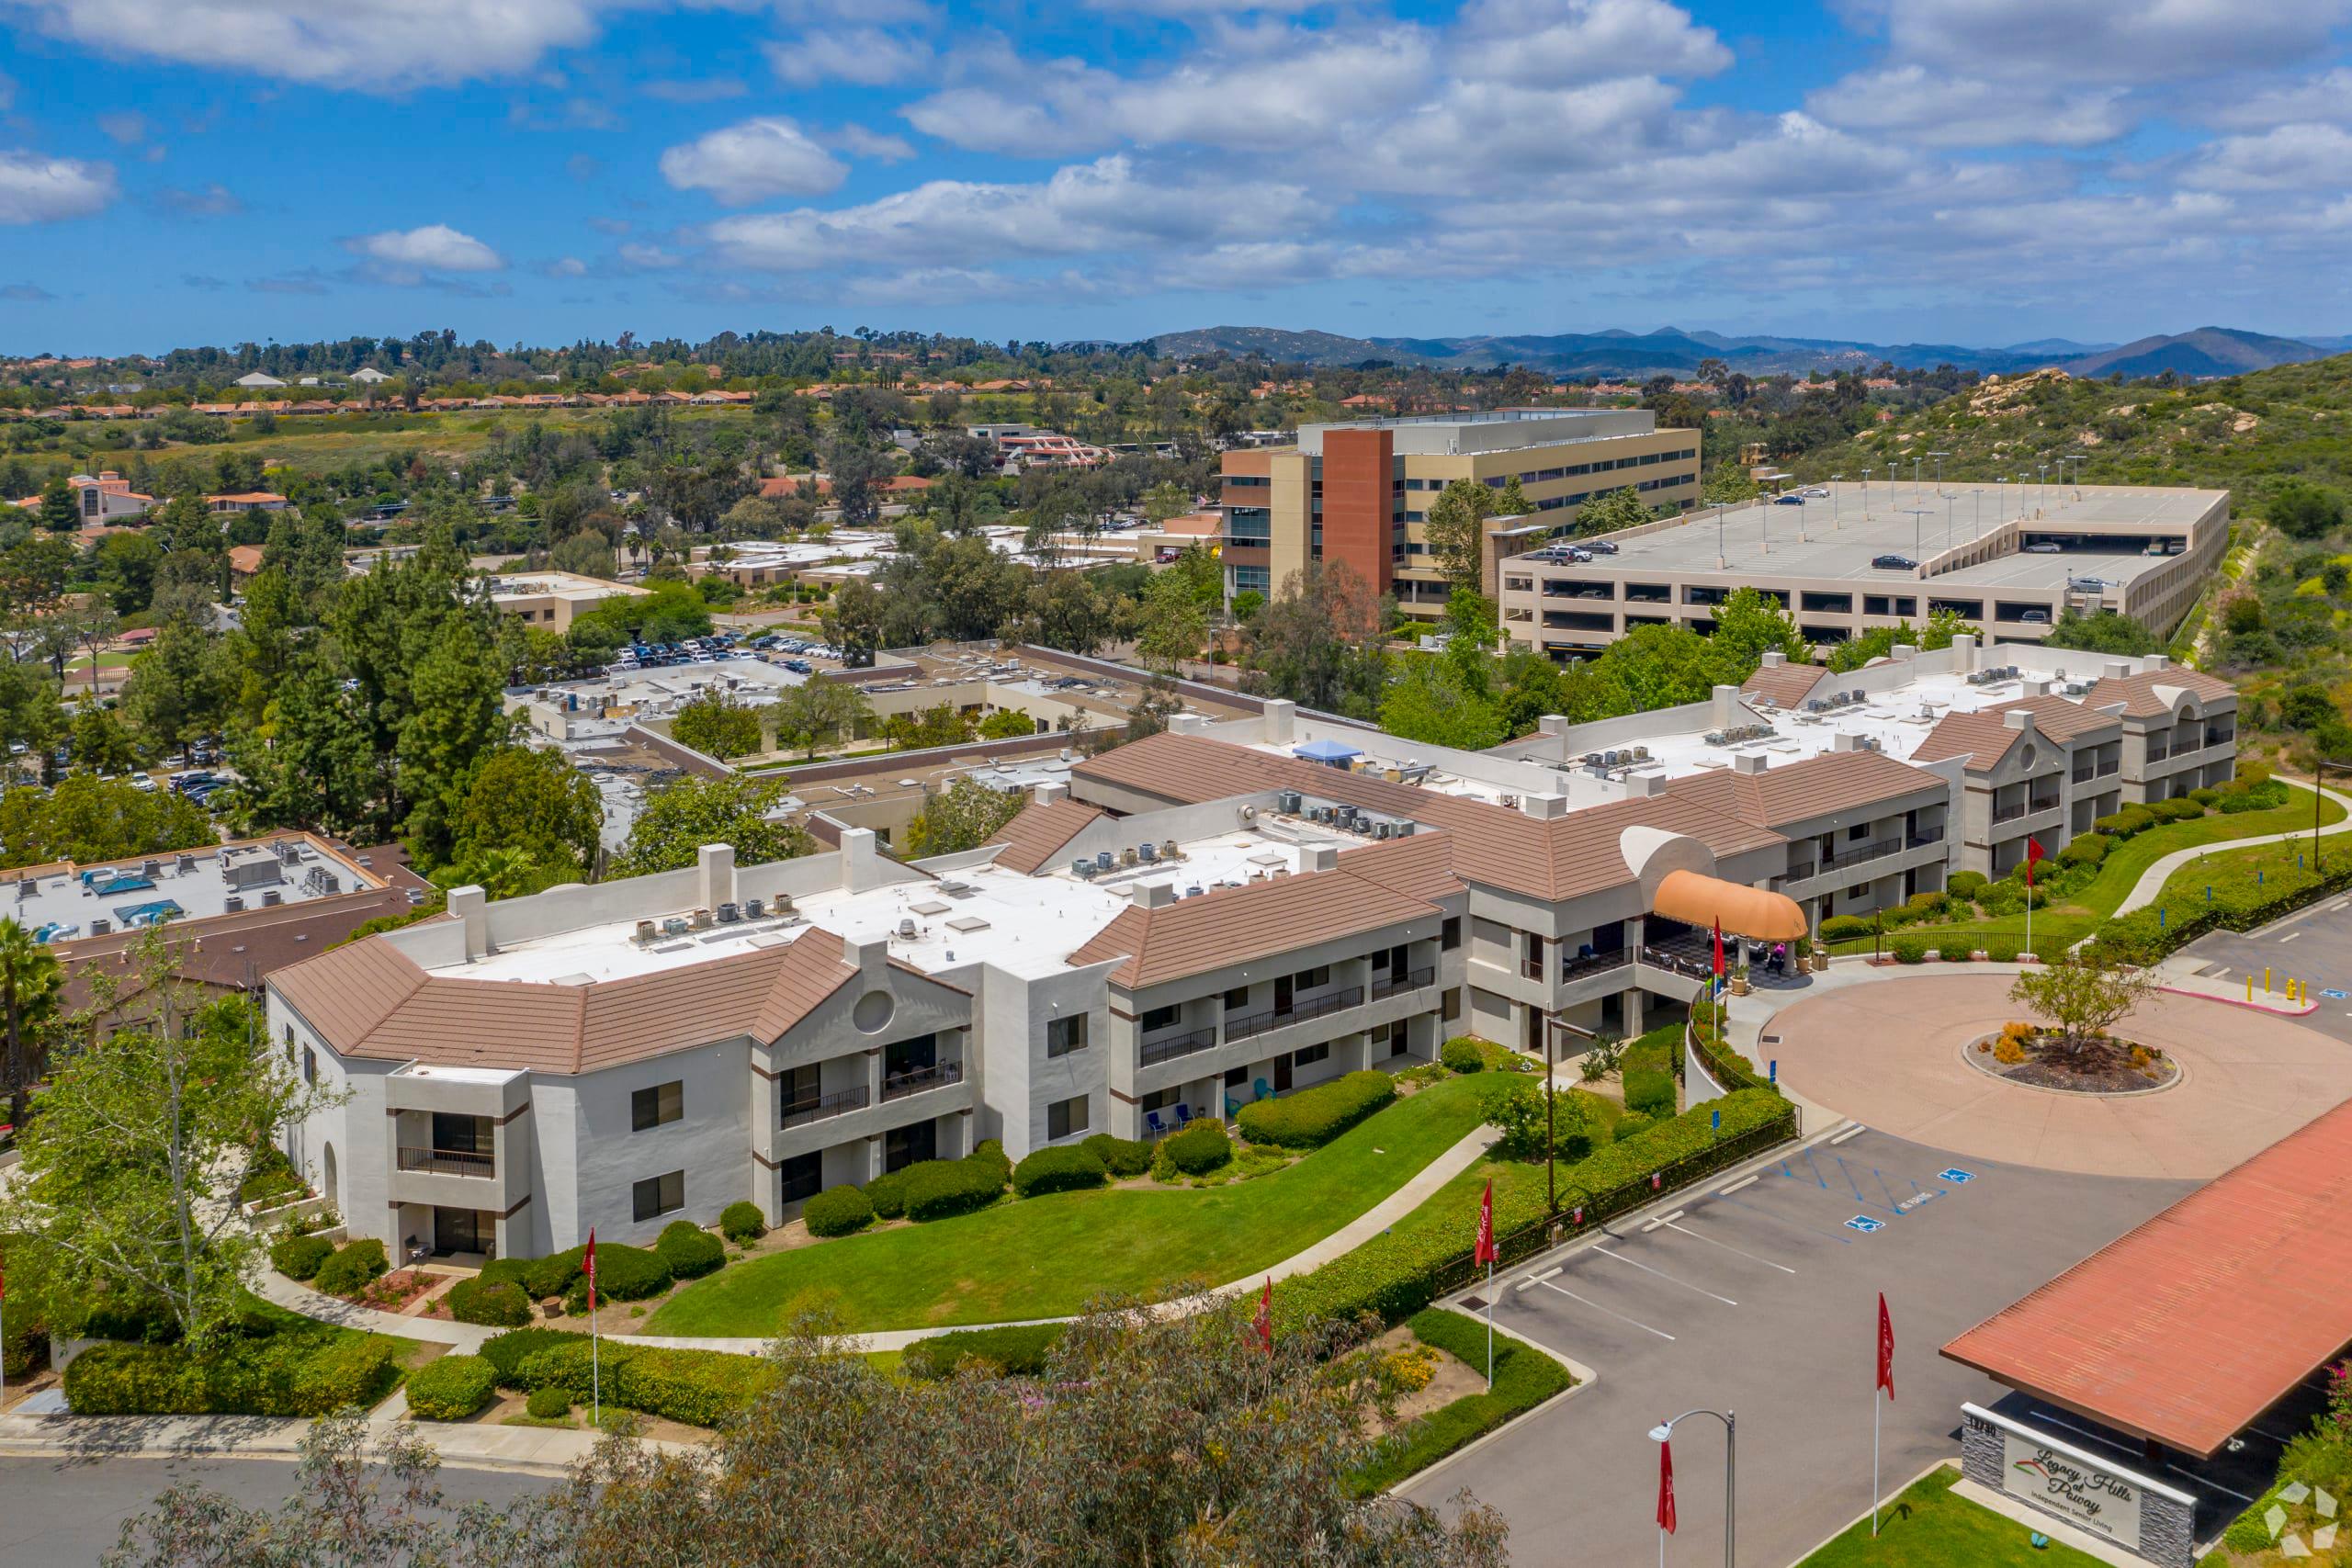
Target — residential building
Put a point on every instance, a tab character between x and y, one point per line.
1845	559
1359	492
102	497
258	378
553	600
247	500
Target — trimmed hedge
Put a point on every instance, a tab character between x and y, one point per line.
1462	1054
1198	1149
689	1251
2125	823
2003	949
887	1193
937	1188
352	1266
548	1404
701	1388
451	1388
1021	1349
551	1275
1956	952
1649	1090
622	1274
1065	1168
1632	1124
1843	927
2178	809
837	1210
293	1374
1314	1116
298	1256
497	1303
507	1351
2088	849
1909	950
1120	1156
1966	884
1524	1378
1399	1272
991	1152
513	1272
742	1221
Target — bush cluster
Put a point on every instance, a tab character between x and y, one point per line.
1120	1156
2089	849
548	1404
742	1221
1198	1149
1524	1378
887	1193
1065	1167
2180	808
497	1303
513	1272
1021	1350
353	1265
451	1388
1314	1116
991	1152
701	1388
935	1188
837	1210
1462	1054
293	1374
298	1256
1909	950
507	1351
1843	927
689	1251
622	1274
1966	884
2123	824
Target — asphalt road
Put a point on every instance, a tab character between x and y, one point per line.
1764	1301
2314	945
63	1512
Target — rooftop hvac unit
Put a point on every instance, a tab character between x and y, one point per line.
99	927
232	905
1383	828
646	931
1716	737
1102	859
755	909
271	897
1641	753
907	930
1168	850
1147	853
25	888
673	925
150	869
1404	827
185	864
1194	891
1082	866
728	913
1592	758
1287	802
1510	803
416	896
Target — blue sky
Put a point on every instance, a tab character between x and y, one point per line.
176	171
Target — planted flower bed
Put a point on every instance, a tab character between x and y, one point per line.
2093	1062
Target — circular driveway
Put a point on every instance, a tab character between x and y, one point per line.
1888	1054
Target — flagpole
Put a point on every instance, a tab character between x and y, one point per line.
1490	1324
1874	1417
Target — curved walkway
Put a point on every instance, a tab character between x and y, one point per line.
468	1337
2151	881
1885	1049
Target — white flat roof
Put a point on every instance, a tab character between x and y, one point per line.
62	905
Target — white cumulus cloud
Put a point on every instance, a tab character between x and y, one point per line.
35	188
753	161
435	247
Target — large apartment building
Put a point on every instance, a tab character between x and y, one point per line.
1235	908
1359	492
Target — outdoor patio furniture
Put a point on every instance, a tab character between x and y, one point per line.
1152	1120
1183	1114
1232	1107
1265	1089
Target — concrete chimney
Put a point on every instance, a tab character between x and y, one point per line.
1727	707
1774	659
1318	857
867	955
2160	661
1282	721
2037	687
1552	724
1753	761
1545	807
2116	670
1051	790
1642	785
1842	741
1906	650
1152	894
861	866
2020	720
1963	652
471	907
716	864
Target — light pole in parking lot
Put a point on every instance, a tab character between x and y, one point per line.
1916	548
1664	1429
1939	457
1837	510
1866	495
1719	536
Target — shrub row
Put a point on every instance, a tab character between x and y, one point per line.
935	1189
451	1388
701	1388
1120	1156
353	1265
1020	1350
1059	1168
742	1221
496	1303
298	1256
1396	1274
1314	1116
295	1374
1198	1149
689	1251
624	1273
837	1210
1462	1054
2145	936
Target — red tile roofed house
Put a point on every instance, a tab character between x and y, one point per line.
102	497
244	561
778	485
247	500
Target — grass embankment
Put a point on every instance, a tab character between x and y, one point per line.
2060	926
1926	1526
1047	1257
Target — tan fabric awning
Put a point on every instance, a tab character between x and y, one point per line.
1706	901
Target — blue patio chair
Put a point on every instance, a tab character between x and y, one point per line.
1265	1089
1232	1107
1184	1115
1151	1121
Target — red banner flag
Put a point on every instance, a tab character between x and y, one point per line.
1486	1253
1264	1322
1666	1488
1719	949
588	1266
2032	854
1885	1347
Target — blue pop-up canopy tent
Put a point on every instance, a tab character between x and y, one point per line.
1328	752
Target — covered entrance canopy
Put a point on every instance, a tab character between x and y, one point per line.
1706	901
2185	1330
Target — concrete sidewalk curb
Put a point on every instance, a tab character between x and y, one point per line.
96	1439
1586	1378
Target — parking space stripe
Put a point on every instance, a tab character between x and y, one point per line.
1743	1181
1604	1311
1792	1224
1667	1276
1727	1247
1856	1131
1534	1279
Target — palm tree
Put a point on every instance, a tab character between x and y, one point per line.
29	982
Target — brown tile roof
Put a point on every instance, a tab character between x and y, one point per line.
370	999
1233	925
2138	692
1787	686
1818	786
1986	737
2188	1328
1419	868
1036	836
1563	858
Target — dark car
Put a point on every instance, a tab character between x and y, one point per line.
1601	546
1894	563
1791	498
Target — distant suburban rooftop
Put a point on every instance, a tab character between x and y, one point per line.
1497	430
62	903
1840	538
557	584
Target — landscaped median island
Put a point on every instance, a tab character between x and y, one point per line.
1046	1254
1924	1525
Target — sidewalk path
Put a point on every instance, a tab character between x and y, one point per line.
468	1339
2151	881
543	1450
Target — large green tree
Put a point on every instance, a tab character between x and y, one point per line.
960	816
456	716
679	819
1456	531
533	800
718	726
30	982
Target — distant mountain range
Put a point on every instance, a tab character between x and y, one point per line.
2206	352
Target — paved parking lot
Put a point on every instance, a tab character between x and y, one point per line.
1761	1295
2314	945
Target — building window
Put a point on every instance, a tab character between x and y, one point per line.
1160	1100
658	1195
309	1066
652	1107
1237	998
1307	979
1168	1017
1453	1003
1306	1056
1063	1117
1449	935
1858	833
1064	1035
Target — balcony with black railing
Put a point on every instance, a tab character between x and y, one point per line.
1856	854
447	1162
1921	838
823	1107
1576	967
1301	1011
1390	984
898	1086
1169	1047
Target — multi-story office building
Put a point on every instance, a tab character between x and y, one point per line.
1845	558
1235	908
1359	492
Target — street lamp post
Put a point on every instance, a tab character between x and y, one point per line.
1977	524
1939	457
2042	495
1730	1419
1719	536
1917	512
1915	461
1866	495
1837	508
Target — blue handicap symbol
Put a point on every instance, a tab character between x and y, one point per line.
1864	1224
2336	995
1955	1176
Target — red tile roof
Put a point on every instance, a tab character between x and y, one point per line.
1234	925
1039	833
2139	693
2188	1327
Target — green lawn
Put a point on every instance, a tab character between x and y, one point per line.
1524	1378
1926	1526
1046	1256
2062	925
